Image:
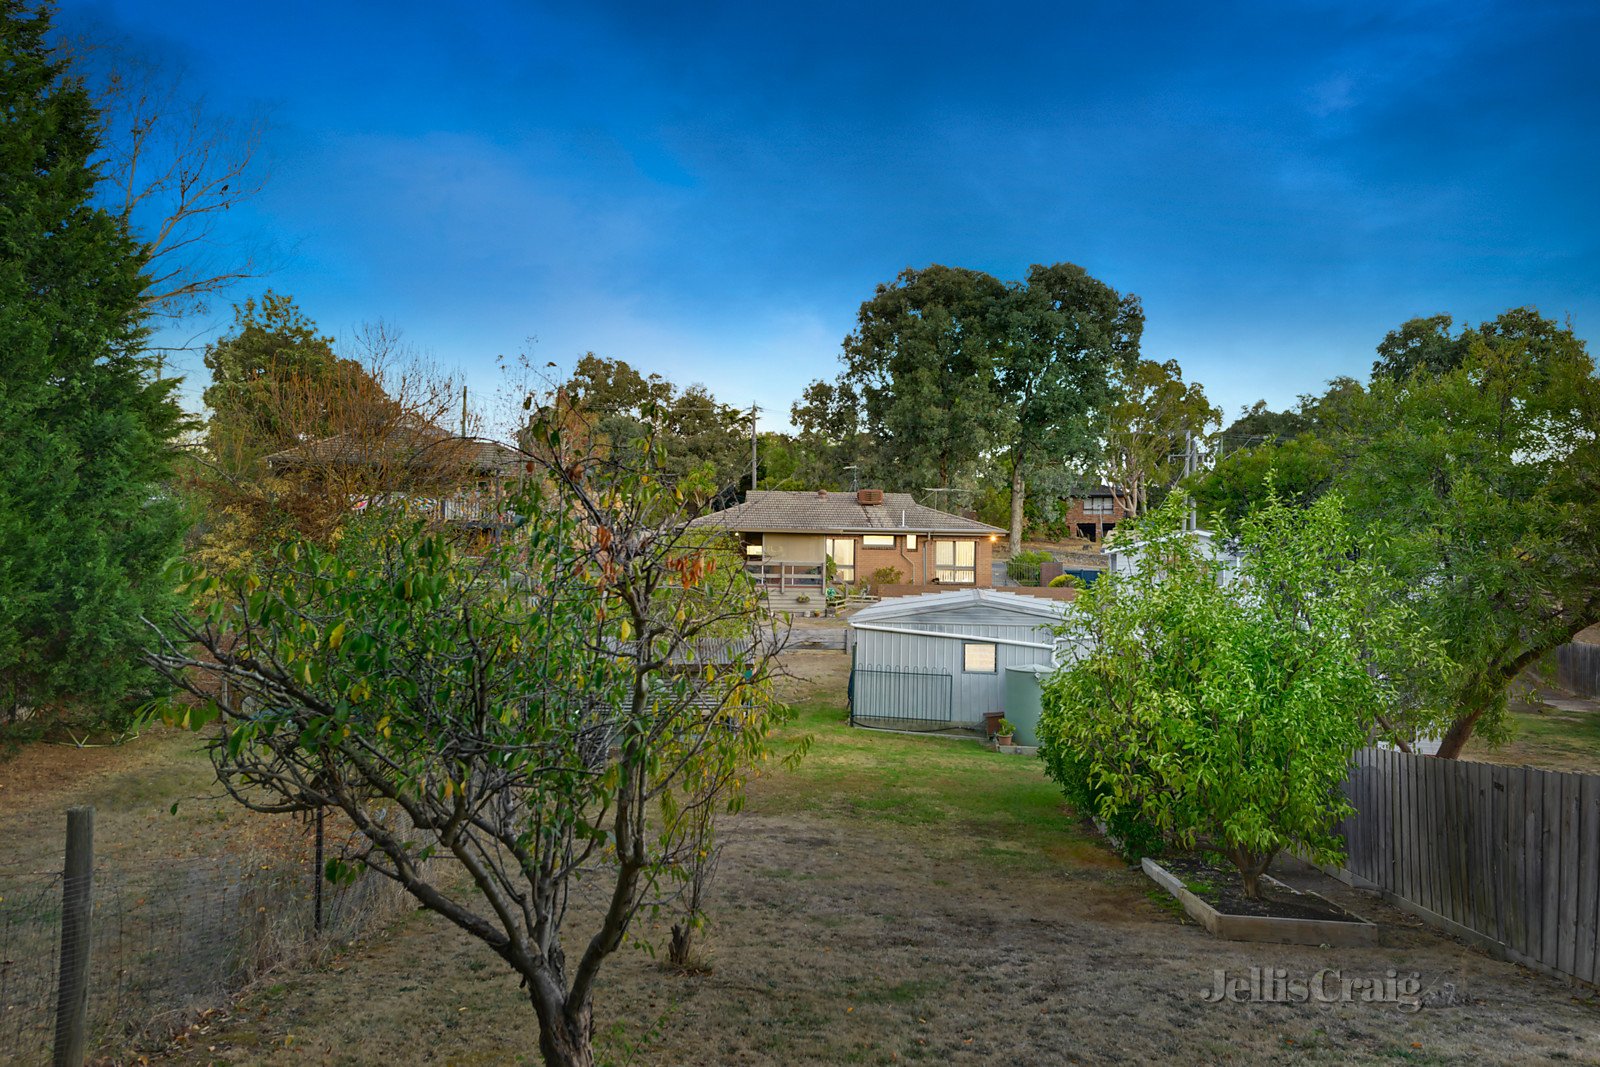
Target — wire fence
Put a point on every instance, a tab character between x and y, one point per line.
167	942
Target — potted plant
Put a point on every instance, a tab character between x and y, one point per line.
1004	732
803	598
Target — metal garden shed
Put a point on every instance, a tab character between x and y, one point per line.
939	660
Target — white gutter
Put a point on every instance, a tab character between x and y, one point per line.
952	637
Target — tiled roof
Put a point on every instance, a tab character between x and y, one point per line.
776	511
405	446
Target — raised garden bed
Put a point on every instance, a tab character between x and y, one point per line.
1213	898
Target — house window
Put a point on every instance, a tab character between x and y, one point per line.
752	546
1097	505
911	542
978	658
955	562
877	541
842	550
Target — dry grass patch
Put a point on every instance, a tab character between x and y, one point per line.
902	899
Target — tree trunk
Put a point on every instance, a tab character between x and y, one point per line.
1252	865
566	1029
682	943
1018	488
565	1041
1460	732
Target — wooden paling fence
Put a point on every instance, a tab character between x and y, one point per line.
1507	857
1578	668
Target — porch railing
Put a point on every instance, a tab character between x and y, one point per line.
779	577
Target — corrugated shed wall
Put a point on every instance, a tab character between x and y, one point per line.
972	693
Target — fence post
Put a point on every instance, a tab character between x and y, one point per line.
316	874
77	904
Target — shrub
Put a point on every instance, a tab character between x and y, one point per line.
1133	835
1227	721
1066	581
1024	566
887	576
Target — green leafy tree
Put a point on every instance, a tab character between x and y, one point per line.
1420	345
276	382
921	367
1222	714
832	437
86	426
552	717
1147	429
1486	478
620	407
1066	334
1479	466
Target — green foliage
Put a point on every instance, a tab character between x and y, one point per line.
886	576
1133	835
948	367
1066	581
922	363
696	432
1421	346
1223	714
1024	566
1066	334
87	426
1147	428
1003	728
276	382
1475	457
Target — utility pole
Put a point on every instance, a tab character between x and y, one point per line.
1191	463
753	470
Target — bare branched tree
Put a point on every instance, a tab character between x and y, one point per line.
172	169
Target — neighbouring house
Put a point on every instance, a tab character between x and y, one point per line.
791	538
942	660
1094	513
458	480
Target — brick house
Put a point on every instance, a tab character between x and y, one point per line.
790	537
1095	513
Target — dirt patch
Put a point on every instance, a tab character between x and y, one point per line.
807	675
1220	887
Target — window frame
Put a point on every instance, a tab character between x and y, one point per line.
966	657
959	573
842	572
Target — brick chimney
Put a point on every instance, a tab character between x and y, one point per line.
867	497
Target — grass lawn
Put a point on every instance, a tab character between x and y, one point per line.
902	899
1563	736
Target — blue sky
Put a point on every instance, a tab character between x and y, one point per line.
710	190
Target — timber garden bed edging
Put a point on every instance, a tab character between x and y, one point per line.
1354	931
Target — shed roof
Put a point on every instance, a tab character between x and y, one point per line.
928	603
784	511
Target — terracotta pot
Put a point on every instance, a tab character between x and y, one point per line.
1004	740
